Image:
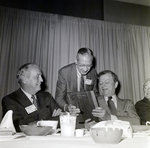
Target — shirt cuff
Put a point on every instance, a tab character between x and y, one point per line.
113	117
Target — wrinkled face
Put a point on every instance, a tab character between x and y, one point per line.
107	85
33	80
146	89
84	63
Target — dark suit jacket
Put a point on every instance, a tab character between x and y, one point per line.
143	110
67	82
18	101
125	110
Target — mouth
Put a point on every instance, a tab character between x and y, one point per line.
39	84
104	89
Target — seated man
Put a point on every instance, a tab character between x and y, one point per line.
27	103
143	106
112	107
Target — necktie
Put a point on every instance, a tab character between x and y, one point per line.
82	83
34	100
111	106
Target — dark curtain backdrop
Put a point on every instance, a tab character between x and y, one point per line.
52	41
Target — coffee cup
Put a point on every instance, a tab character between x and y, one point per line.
51	123
147	122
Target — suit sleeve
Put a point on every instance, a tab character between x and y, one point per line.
129	114
61	90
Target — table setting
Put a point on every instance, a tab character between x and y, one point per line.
105	134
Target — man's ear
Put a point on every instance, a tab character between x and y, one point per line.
24	79
116	84
76	60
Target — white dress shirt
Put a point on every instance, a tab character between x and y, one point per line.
28	95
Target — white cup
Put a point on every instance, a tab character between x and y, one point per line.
147	122
79	132
67	125
51	123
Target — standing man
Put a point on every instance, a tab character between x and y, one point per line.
27	103
143	106
112	107
78	76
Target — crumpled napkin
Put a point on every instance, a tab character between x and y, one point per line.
7	124
124	125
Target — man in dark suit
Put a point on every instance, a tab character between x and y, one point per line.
27	103
143	106
112	107
71	76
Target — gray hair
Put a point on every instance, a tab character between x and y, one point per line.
146	81
23	71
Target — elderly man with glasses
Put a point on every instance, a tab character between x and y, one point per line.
76	77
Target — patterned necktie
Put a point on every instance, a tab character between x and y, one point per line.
82	83
111	106
34	101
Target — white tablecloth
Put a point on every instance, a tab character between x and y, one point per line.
57	141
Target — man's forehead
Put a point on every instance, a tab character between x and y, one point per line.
84	57
106	76
34	69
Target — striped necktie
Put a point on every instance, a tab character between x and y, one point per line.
34	101
82	83
111	106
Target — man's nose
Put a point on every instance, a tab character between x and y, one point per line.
41	79
103	85
85	68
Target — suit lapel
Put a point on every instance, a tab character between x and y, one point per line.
102	103
120	106
22	98
73	77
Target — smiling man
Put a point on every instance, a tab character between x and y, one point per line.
112	107
143	106
76	77
28	103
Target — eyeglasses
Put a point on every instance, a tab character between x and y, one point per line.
83	65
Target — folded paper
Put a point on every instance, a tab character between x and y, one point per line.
7	123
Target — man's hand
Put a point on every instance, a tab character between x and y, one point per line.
73	110
88	124
98	112
56	112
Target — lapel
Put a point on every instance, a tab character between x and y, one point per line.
73	77
146	101
22	98
120	106
90	76
102	103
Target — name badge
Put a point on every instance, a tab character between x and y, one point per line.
88	81
30	109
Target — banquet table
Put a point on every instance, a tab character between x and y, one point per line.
19	140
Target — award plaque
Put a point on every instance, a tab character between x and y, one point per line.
86	102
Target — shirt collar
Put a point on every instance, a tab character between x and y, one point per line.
114	98
78	73
27	94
